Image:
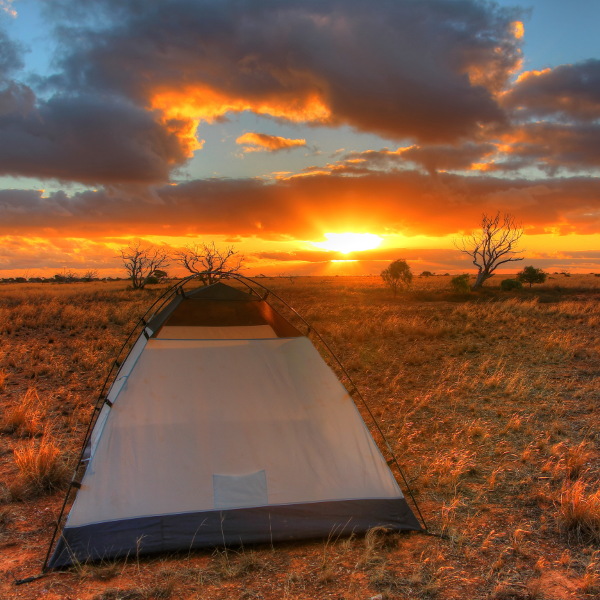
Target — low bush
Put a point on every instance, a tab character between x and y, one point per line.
508	285
460	284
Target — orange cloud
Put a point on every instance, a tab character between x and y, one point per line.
518	29
409	202
259	142
183	109
199	102
528	75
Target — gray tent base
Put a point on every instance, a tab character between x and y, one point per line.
234	527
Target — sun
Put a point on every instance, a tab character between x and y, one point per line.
349	242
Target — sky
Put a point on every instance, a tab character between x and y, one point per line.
316	137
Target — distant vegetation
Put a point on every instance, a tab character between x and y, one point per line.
532	275
398	276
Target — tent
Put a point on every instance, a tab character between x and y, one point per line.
224	426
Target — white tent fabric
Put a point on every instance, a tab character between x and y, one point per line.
229	408
238	436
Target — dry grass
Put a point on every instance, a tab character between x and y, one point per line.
591	578
579	512
489	400
25	418
41	466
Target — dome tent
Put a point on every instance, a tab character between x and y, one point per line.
224	426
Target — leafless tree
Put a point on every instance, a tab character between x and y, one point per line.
493	245
141	262
209	262
90	275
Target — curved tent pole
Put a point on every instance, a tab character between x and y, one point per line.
158	305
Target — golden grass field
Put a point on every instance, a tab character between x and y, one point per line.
489	400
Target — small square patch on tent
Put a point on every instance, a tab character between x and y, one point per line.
240	491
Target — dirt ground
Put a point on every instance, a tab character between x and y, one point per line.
489	401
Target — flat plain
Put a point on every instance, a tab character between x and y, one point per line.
489	401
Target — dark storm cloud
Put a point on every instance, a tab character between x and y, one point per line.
305	208
425	69
83	138
568	92
76	136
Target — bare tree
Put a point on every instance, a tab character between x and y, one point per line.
210	262
140	263
90	275
493	245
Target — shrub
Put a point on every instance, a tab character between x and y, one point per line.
460	283
398	275
507	285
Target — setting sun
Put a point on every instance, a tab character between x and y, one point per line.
349	242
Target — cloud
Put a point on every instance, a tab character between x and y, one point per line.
304	208
85	138
10	55
82	135
566	92
260	142
433	157
43	255
553	147
133	80
384	255
6	6
334	62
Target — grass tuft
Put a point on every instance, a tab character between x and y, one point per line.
25	418
591	578
42	468
579	512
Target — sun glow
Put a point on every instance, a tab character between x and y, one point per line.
349	242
